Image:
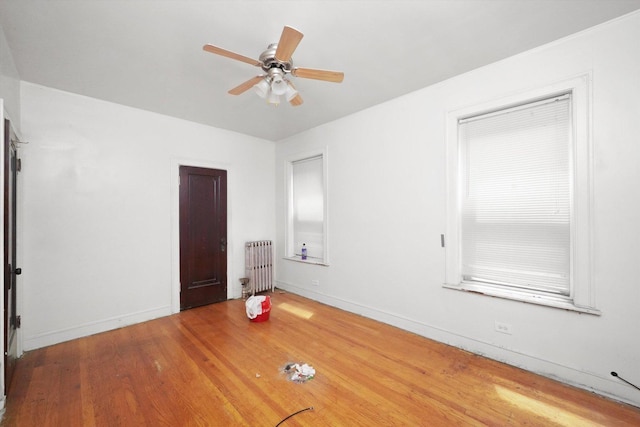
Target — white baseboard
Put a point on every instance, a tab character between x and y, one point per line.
605	386
54	337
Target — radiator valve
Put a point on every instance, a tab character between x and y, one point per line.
245	287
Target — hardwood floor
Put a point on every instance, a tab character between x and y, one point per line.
210	366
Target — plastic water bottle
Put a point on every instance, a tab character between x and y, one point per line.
304	251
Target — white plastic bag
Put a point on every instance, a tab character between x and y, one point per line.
253	305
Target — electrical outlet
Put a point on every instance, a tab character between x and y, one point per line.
504	328
315	282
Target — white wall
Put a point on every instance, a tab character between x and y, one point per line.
387	211
100	203
9	83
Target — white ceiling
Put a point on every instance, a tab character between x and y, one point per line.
148	54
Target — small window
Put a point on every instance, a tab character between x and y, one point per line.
519	199
307	209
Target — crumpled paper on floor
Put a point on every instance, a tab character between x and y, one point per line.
299	373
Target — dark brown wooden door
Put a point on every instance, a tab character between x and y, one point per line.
10	270
203	236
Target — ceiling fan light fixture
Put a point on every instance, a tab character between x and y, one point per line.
279	84
273	98
279	87
262	88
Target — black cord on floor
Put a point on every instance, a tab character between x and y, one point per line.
310	408
615	374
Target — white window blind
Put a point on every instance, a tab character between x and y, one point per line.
308	206
516	196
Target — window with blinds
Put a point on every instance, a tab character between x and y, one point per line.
515	207
519	197
306	221
308	207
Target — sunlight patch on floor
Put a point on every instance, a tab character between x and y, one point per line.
552	413
296	311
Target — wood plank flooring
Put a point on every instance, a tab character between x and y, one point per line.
210	366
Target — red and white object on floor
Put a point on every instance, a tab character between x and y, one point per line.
258	308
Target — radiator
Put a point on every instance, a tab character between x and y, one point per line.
258	263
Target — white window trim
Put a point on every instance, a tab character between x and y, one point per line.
582	293
288	191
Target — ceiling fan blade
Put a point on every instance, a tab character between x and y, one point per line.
242	88
297	100
325	75
289	40
223	52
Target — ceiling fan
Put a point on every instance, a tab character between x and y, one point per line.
276	63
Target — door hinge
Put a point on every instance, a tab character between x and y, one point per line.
18	321
18	165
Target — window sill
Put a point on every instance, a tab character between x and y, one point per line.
313	261
528	297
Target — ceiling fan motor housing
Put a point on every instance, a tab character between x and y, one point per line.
269	61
